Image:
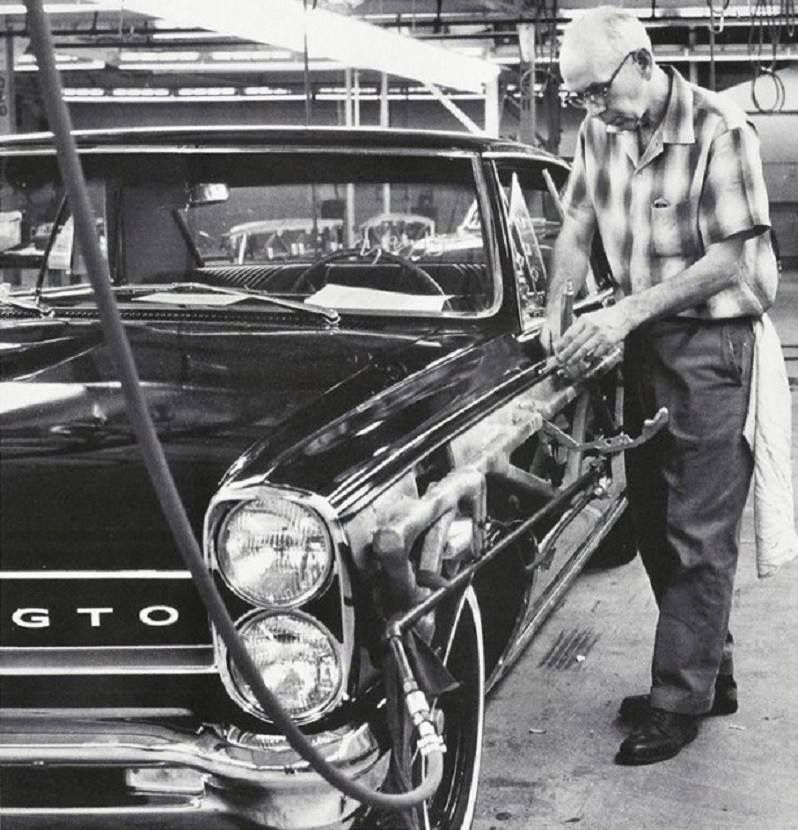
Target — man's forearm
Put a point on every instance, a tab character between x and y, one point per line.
596	333
716	270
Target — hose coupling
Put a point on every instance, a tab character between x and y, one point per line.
429	740
417	706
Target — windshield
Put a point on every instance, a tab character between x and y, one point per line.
349	231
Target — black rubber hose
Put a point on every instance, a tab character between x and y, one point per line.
154	458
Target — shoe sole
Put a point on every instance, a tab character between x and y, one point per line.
636	712
624	760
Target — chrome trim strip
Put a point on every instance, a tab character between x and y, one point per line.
116	660
265	148
148	574
520	155
490	243
189	811
45	738
104	713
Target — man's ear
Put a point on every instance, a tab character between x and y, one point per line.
645	62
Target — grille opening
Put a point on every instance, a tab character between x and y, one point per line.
66	787
92	787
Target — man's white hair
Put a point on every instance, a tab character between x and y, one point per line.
613	30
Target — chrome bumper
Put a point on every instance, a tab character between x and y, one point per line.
192	773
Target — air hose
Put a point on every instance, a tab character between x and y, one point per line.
155	460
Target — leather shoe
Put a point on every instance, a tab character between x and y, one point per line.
661	735
635	707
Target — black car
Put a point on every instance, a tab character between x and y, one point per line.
336	333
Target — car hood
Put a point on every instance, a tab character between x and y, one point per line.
73	485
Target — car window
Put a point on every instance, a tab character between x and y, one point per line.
534	223
38	227
358	232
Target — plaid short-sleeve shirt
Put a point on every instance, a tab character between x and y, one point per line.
699	182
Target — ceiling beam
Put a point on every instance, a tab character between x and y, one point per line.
326	35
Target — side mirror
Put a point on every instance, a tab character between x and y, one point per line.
208	193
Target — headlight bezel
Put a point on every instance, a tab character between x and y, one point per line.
250	705
226	499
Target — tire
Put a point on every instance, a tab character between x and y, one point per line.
452	807
462	714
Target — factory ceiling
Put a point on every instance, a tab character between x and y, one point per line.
108	47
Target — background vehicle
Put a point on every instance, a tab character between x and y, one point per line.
354	425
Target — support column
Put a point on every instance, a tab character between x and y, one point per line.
554	110
527	127
492	108
692	66
385	117
348	97
493	113
7	97
385	123
356	99
349	216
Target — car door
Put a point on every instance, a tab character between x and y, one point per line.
589	408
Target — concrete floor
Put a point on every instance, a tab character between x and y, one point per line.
551	731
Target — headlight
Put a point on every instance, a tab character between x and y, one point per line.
297	658
274	552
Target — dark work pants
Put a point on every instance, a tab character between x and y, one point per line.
687	489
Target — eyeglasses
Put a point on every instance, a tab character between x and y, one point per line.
596	93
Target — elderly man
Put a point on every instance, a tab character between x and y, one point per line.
670	175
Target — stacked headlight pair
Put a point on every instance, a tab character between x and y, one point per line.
277	554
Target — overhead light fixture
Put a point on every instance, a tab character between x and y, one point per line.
83	92
207	91
233	55
352	43
64	63
140	92
162	95
136	56
217	66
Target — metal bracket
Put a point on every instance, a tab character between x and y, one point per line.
608	446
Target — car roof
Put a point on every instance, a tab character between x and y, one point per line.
253	136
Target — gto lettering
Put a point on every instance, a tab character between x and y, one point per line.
154	616
94	614
146	615
31	618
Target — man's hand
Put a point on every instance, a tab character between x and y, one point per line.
590	338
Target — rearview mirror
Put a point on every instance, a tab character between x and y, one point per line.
208	193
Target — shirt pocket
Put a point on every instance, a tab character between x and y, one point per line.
670	230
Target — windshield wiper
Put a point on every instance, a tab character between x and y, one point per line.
188	288
329	314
